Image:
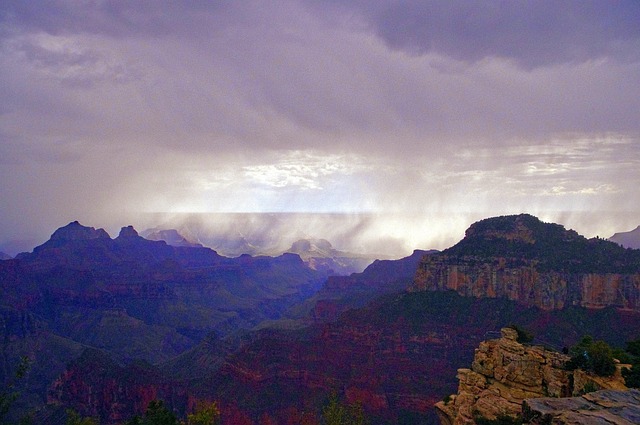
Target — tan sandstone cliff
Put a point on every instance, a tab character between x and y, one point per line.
504	373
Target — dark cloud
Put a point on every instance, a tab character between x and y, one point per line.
531	33
117	18
110	109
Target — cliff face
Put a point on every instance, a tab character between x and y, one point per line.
504	373
536	264
341	293
521	281
96	386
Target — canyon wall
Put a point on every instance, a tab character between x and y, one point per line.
522	281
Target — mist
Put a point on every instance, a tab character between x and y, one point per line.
408	120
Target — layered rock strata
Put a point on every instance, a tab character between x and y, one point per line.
521	281
536	264
504	373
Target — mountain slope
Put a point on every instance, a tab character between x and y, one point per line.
319	254
85	284
397	357
341	293
535	263
135	299
629	239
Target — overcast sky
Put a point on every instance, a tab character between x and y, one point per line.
112	109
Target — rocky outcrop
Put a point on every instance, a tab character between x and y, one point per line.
535	264
504	373
609	407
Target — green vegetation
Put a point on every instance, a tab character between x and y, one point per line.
156	414
9	394
589	387
337	413
73	418
632	376
524	336
622	355
633	347
500	420
592	356
205	414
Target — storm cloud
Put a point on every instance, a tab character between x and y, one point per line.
110	110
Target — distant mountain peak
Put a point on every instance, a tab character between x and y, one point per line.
321	247
171	236
629	239
128	232
75	231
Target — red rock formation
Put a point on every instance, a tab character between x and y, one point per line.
524	283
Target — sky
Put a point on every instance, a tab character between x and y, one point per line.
442	111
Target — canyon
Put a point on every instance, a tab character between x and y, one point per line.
271	338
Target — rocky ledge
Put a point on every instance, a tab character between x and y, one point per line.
608	407
505	373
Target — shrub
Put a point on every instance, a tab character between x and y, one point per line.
500	420
589	387
592	356
632	376
524	336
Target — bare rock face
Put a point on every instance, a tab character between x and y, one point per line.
504	373
609	407
521	281
535	264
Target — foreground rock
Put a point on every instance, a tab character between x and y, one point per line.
600	407
504	373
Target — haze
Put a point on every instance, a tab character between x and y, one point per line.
443	112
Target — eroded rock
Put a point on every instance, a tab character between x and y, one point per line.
504	373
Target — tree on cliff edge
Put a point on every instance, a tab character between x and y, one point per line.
337	413
592	356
